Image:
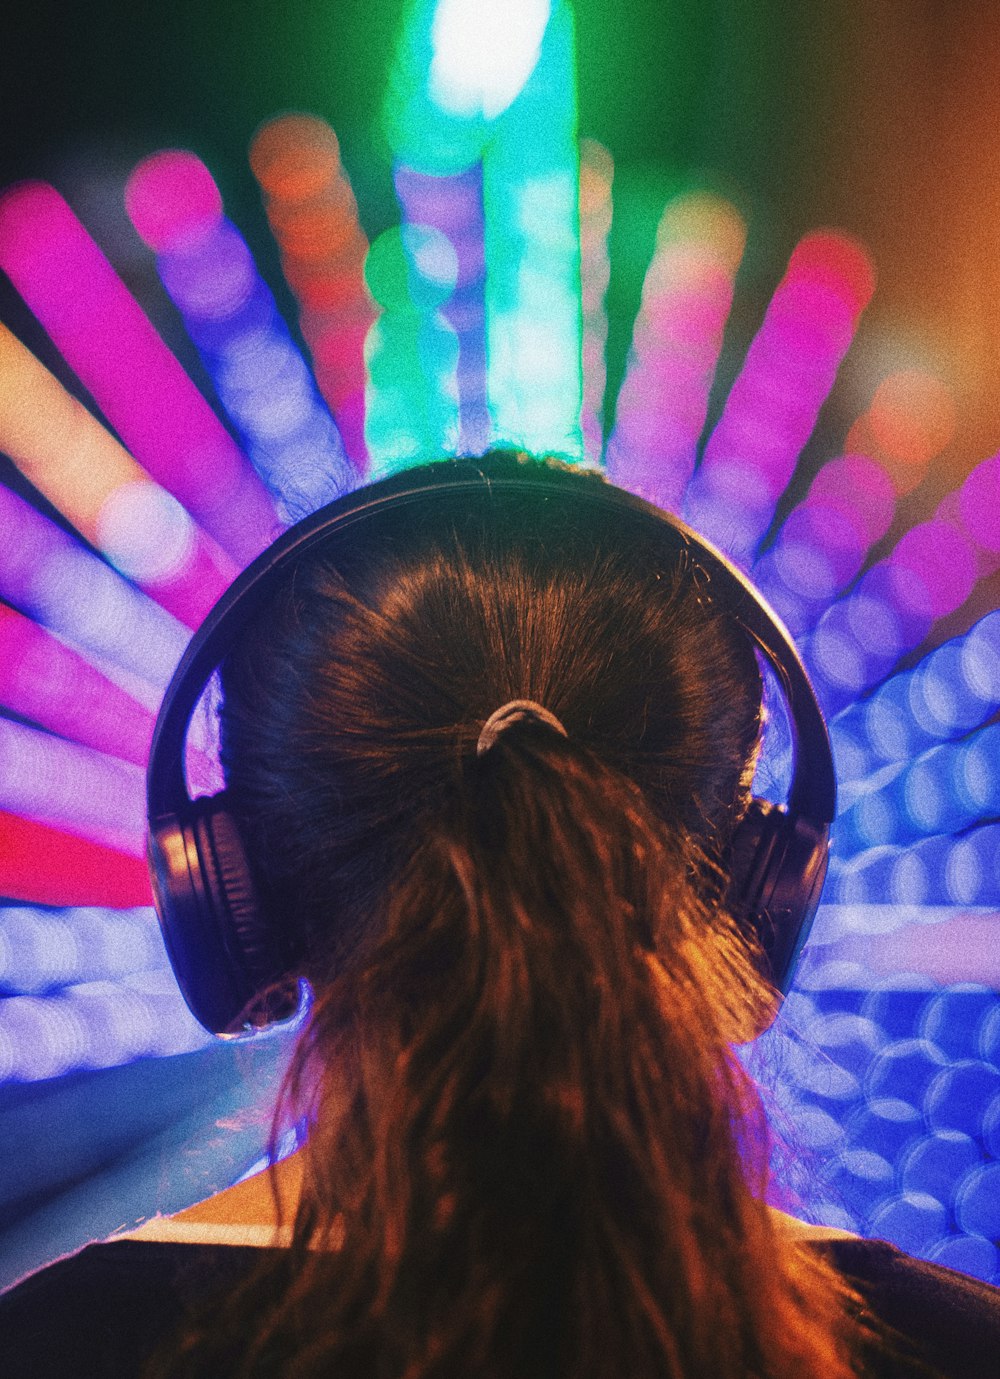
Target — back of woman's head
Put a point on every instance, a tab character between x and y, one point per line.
528	1132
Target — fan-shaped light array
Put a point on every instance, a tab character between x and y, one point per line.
228	310
462	326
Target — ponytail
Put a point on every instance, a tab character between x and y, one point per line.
530	1135
532	1151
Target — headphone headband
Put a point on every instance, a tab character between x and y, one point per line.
196	872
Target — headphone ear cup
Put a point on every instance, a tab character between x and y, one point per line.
222	953
777	865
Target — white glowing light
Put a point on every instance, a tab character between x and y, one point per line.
483	52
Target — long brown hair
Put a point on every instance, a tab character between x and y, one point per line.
532	1151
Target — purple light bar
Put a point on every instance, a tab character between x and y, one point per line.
140	387
823	542
773	405
48	575
43	680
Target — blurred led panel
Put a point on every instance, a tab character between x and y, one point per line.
48	866
260	376
45	681
103	335
686	297
314	218
80	467
773	405
48	575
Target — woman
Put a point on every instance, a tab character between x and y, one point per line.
486	776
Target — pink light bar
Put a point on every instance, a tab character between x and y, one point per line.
907	424
74	788
43	680
140	387
773	405
92	479
686	297
172	200
48	866
48	575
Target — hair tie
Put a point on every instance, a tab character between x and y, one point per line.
514	712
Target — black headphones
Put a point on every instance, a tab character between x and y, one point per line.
224	955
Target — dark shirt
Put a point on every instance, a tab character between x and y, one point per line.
100	1314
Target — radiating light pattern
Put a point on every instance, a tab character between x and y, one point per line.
106	339
48	866
92	1025
773	405
596	177
48	575
260	376
44	949
945	790
686	297
531	192
411	352
81	468
314	218
43	680
483	52
930	573
908	423
952	690
823	542
453	205
59	783
937	870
